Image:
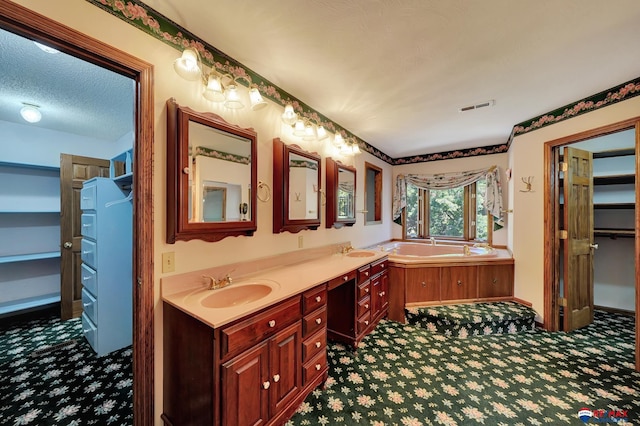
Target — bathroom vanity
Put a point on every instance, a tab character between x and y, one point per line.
254	362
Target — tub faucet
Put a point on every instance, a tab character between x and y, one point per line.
433	241
214	284
347	248
466	250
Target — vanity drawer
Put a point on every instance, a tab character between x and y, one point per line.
248	332
89	278
313	345
314	298
314	368
90	305
88	198
364	289
88	252
378	266
338	281
364	306
363	322
88	221
363	274
90	331
314	321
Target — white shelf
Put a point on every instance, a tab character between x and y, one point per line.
29	257
32	302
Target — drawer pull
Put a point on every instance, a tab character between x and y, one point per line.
85	278
318	344
495	280
459	282
318	320
276	378
345	278
366	274
424	284
382	265
318	299
366	323
266	385
318	367
86	252
381	294
272	323
366	306
86	304
366	290
85	225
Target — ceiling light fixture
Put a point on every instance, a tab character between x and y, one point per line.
31	113
217	87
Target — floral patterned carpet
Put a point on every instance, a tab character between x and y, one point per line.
406	375
66	385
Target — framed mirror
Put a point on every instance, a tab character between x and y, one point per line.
296	183
211	176
341	194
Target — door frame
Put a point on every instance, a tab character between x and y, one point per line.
551	220
25	22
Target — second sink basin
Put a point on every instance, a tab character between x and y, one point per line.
360	254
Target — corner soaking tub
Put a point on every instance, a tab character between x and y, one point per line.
424	275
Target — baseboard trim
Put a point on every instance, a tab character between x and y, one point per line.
615	310
522	302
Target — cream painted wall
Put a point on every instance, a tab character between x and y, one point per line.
458	165
526	158
195	255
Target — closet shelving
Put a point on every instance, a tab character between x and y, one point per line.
30	231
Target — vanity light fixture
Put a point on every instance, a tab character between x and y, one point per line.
298	128
217	87
289	116
309	132
31	113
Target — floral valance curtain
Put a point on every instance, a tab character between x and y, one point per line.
493	195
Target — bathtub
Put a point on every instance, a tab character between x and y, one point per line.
422	274
400	251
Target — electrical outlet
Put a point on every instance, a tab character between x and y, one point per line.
300	241
168	262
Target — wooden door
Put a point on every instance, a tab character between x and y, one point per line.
244	388
459	282
423	285
578	246
495	281
286	379
74	170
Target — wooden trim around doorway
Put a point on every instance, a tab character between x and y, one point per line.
23	21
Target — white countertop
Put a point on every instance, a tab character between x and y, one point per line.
286	281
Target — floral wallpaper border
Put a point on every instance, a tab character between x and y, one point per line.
220	155
157	25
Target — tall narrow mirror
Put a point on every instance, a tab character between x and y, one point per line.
372	194
341	194
211	176
296	183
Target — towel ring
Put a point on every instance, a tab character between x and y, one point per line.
267	188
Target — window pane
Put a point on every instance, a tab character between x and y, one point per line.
482	219
411	222
446	212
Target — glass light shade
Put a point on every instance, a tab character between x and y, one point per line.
213	91
338	140
322	133
355	148
298	128
309	132
289	116
346	149
31	113
257	102
232	97
188	65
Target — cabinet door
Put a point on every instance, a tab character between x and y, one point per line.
245	388
286	366
384	286
459	282
495	281
422	285
376	297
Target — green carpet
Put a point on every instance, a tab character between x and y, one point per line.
406	375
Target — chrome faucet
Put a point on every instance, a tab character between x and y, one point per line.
214	284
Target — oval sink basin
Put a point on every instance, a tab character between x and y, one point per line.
234	296
360	254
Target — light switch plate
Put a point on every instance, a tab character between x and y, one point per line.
168	262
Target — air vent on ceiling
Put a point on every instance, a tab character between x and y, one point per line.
478	106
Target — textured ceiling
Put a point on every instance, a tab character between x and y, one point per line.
74	96
396	72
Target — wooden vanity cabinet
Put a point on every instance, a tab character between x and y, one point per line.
356	302
253	371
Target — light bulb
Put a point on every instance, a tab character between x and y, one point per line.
31	113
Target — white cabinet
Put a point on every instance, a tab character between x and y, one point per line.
30	235
106	265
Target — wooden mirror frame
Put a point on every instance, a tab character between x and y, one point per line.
178	225
333	168
281	221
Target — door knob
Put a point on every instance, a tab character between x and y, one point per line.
593	246
67	244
